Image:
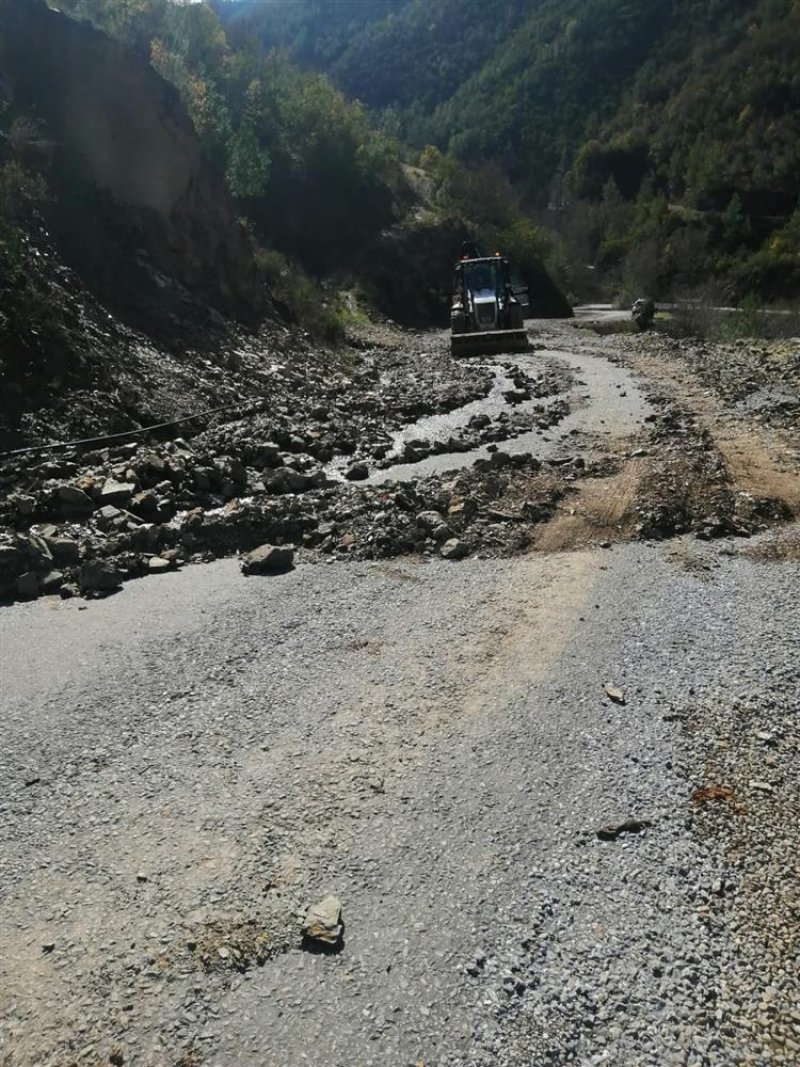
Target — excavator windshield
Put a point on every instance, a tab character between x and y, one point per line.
483	274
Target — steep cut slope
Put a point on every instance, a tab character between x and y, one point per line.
133	197
119	247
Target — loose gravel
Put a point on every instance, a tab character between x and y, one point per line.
200	759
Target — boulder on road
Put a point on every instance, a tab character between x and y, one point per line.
454	549
268	559
98	575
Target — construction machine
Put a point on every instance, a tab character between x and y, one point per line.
485	316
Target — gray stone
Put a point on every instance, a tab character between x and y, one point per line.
429	520
454	549
153	464
357	473
145	503
323	922
98	575
296	481
75	499
267	559
157	565
23	504
114	492
51	582
269	455
203	477
35	548
108	513
63	549
237	471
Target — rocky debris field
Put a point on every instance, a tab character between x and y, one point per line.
64	512
757	378
313	468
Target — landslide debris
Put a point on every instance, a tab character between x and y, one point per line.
307	467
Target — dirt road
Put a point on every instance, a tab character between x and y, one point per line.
189	764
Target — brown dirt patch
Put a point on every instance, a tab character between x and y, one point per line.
759	459
601	509
758	463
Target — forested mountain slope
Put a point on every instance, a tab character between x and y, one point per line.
538	84
689	103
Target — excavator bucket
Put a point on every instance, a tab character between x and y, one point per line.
489	342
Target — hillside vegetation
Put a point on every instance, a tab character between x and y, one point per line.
662	139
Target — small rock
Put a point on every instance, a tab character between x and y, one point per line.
268	454
268	559
75	499
51	582
107	514
114	492
630	826
454	549
63	549
357	473
22	503
761	787
429	520
157	565
616	694
323	922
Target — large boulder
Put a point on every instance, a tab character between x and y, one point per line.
268	559
98	575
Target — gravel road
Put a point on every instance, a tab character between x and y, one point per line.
556	794
207	755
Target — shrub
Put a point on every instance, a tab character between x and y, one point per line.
300	298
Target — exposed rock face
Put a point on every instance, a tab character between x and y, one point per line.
134	196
